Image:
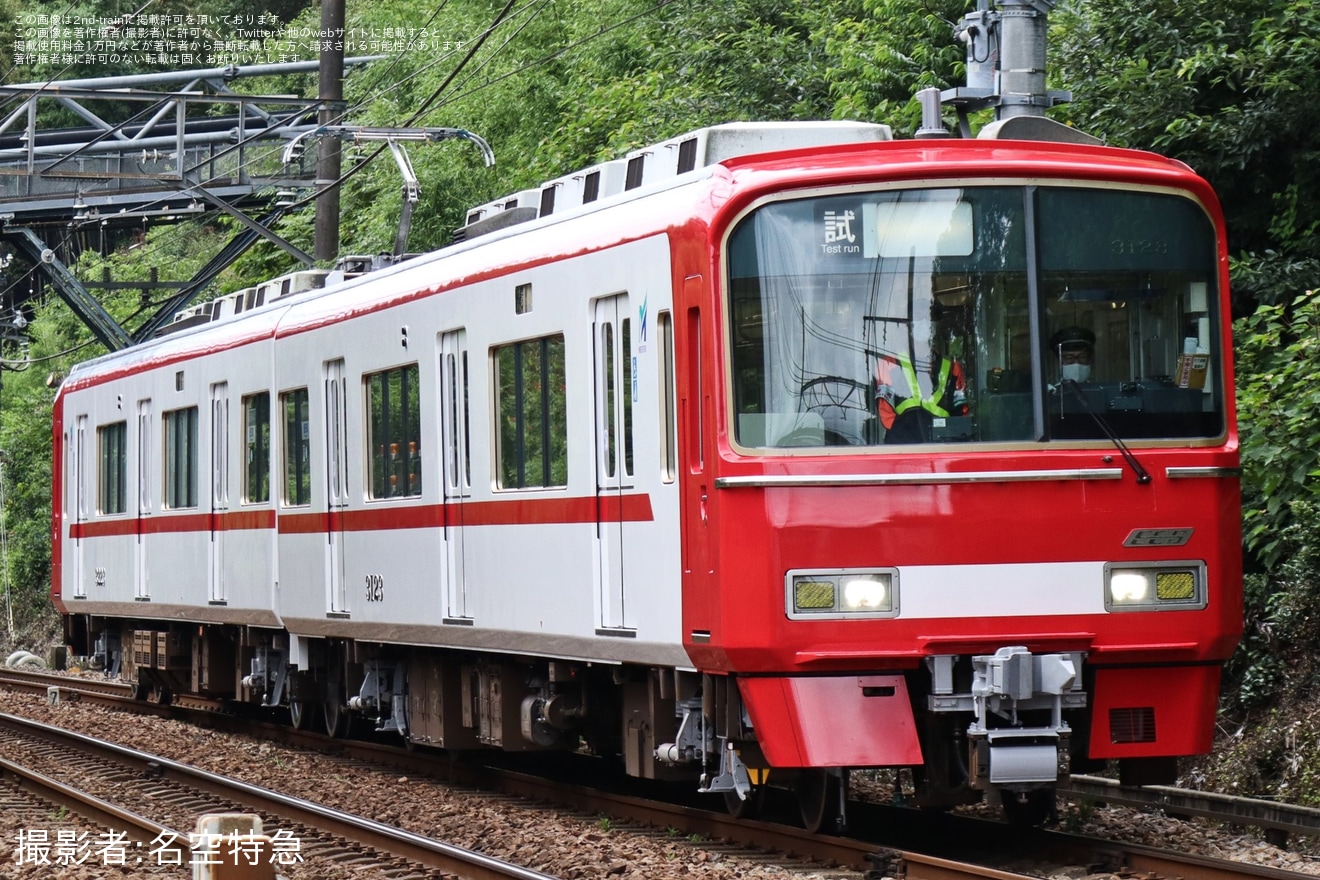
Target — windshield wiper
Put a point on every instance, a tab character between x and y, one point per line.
1143	475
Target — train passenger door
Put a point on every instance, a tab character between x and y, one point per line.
614	371
141	584
457	467
695	444
77	502
219	488
336	446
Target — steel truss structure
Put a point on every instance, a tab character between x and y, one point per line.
159	146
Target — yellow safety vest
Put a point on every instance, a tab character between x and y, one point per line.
929	404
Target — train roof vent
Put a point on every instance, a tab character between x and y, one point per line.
601	181
687	155
710	146
189	317
636	168
687	152
495	222
228	306
501	213
300	282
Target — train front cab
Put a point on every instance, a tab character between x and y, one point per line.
1013	570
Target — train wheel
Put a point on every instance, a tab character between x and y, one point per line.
336	718
818	799
1031	808
745	808
297	714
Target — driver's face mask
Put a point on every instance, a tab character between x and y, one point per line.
1075	372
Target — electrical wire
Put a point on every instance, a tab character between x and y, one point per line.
503	13
432	102
55	78
551	56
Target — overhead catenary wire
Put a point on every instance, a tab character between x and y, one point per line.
480	41
265	155
55	78
506	15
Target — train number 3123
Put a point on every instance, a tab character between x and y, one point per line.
375	588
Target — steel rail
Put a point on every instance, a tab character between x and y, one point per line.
375	835
798	842
1270	815
857	854
93	809
1151	862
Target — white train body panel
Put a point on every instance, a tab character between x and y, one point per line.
464	562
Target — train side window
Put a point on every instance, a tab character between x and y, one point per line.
608	398
625	409
394	433
181	458
79	483
144	435
256	448
532	439
668	422
455	408
112	471
297	452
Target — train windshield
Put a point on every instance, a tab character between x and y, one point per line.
974	314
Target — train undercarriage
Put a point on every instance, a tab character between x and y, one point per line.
665	724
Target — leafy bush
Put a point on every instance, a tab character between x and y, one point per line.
1268	745
1281	621
1278	354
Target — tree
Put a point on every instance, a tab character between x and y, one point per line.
1227	88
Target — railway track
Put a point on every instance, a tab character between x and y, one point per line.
54	826
892	854
309	831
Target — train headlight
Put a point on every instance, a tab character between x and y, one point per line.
1155	586
842	593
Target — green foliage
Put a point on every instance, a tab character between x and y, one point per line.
887	52
1226	87
58	339
1278	359
737	60
1272	748
25	451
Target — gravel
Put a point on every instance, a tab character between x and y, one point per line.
560	843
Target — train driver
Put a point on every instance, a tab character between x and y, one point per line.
1075	347
912	392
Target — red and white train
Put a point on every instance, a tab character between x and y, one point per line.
621	471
